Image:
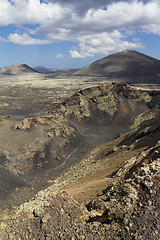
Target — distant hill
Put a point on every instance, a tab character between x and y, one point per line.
126	65
52	70
16	69
42	69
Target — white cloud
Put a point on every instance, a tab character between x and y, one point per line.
103	44
59	55
25	39
81	7
55	33
53	15
29	12
152	28
3	40
96	31
83	54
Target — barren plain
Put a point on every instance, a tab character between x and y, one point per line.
35	92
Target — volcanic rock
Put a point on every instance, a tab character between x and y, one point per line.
17	69
128	66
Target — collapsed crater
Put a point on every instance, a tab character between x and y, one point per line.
47	146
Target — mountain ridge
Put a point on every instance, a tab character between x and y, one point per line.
17	69
42	69
128	65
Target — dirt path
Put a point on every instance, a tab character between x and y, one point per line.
89	186
88	189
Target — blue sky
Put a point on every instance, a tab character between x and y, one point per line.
73	33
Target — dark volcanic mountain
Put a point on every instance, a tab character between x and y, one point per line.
128	65
42	69
16	69
52	70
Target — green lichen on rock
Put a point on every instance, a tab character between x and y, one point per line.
107	103
83	108
118	201
77	107
121	200
145	116
145	97
33	205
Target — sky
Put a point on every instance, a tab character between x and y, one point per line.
75	33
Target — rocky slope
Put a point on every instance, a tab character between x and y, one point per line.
127	66
17	69
103	145
52	70
127	209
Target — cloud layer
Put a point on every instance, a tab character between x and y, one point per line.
94	27
81	7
